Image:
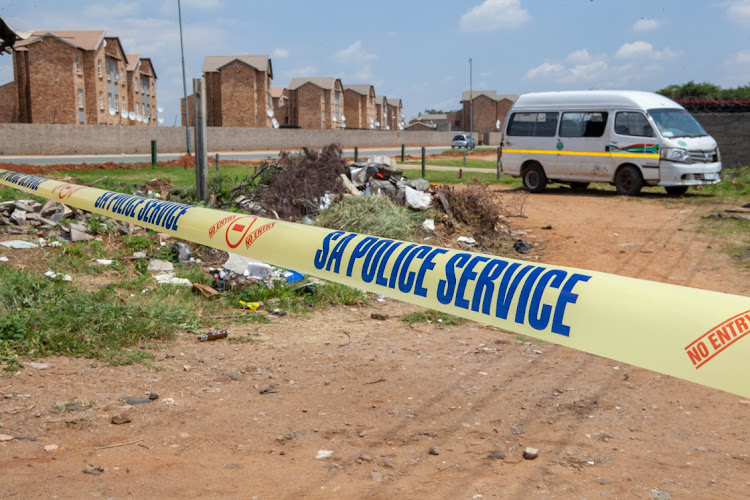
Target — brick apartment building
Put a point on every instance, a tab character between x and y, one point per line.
489	108
359	105
394	113
280	101
434	121
75	77
316	103
238	91
381	113
141	89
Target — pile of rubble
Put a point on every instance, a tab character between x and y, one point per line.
24	216
379	176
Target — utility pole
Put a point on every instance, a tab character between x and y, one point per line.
184	82
471	101
201	158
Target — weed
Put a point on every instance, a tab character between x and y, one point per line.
375	215
337	294
74	404
431	316
137	243
194	273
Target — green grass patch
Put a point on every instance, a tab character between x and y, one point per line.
12	194
431	316
43	317
294	297
475	151
127	179
455	162
734	185
733	235
443	177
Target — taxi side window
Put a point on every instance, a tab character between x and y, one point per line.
632	123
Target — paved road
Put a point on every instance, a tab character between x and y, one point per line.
228	155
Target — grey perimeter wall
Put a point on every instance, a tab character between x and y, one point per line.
28	139
731	130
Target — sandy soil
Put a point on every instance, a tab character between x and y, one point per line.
408	411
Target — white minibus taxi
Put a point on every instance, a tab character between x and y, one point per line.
626	138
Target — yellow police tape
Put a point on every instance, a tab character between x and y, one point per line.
692	334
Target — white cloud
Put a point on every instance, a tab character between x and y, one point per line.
646	24
299	71
581	56
644	50
582	67
494	14
736	69
354	53
111	10
279	53
739	11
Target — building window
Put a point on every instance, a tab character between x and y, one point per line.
116	102
117	75
99	67
78	65
109	100
122	76
123	103
135	83
101	100
137	109
80	97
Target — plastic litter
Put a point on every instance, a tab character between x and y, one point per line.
293	276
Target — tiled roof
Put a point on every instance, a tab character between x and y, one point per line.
466	95
359	88
277	92
86	40
324	82
133	60
215	63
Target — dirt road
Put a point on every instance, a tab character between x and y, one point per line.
408	411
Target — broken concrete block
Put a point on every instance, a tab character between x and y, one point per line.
19	217
160	266
51	207
78	233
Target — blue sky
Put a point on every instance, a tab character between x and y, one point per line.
419	50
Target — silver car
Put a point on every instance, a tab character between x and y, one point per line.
463	141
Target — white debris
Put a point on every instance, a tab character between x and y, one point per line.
157	265
324	454
104	262
467	240
418	200
19	244
58	276
3	259
170	279
248	267
429	224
